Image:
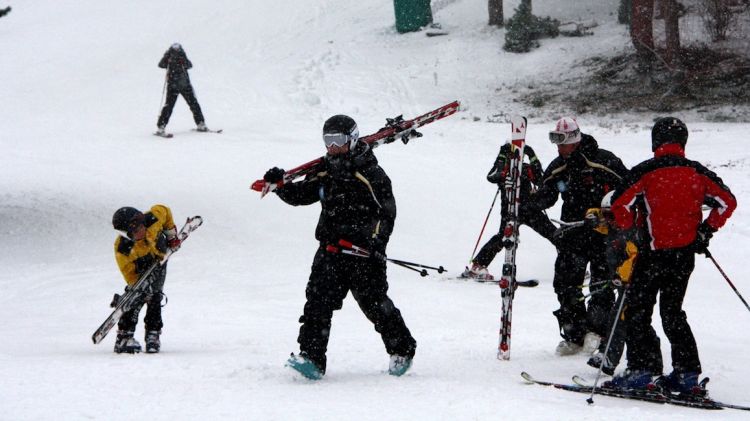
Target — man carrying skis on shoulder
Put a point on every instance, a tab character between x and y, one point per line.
673	189
582	174
147	238
531	177
357	205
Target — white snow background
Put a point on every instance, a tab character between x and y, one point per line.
79	93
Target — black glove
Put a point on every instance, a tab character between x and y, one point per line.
377	249
702	238
274	175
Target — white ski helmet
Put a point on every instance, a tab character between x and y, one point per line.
566	132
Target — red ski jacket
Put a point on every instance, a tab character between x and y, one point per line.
672	190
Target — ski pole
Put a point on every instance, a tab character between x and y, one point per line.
355	250
590	400
439	269
163	91
708	255
485	223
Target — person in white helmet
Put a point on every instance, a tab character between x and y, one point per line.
582	174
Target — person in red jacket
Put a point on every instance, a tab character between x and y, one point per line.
672	189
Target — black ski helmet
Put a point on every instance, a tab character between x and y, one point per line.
668	130
124	217
339	130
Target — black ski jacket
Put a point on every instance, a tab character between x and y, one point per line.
356	198
582	180
531	173
177	65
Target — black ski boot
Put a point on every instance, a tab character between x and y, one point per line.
153	344
126	343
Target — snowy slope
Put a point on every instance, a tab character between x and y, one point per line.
79	94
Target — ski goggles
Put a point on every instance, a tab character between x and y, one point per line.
565	138
338	139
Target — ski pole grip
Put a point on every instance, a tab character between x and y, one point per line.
347	244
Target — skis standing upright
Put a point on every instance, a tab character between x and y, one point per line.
512	192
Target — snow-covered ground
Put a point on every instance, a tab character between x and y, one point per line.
79	92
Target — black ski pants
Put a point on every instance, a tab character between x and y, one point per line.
573	317
332	277
187	92
535	219
152	320
664	273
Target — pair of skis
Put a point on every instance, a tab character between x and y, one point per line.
136	295
171	135
395	128
512	194
654	396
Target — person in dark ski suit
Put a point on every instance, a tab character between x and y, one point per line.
531	177
178	83
582	174
673	189
5	11
357	205
147	238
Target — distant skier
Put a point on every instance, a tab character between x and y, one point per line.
582	174
673	189
178	83
531	177
147	238
357	205
5	11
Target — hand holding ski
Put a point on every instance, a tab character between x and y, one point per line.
136	294
395	128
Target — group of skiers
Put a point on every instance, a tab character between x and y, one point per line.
638	230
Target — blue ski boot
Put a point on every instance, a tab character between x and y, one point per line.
303	365
630	379
399	365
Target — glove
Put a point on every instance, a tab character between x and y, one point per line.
702	238
274	176
377	249
174	243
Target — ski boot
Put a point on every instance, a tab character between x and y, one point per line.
153	344
591	342
565	348
399	365
126	343
305	366
686	385
477	272
201	127
629	380
599	359
160	131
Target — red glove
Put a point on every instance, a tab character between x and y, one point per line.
174	243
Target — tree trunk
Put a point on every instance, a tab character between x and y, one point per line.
672	30
496	12
641	30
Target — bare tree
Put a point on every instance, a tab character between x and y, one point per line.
641	30
672	30
496	12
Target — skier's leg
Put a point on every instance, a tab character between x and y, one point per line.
488	251
570	270
643	350
153	320
192	102
539	222
370	290
166	111
602	296
677	267
324	295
